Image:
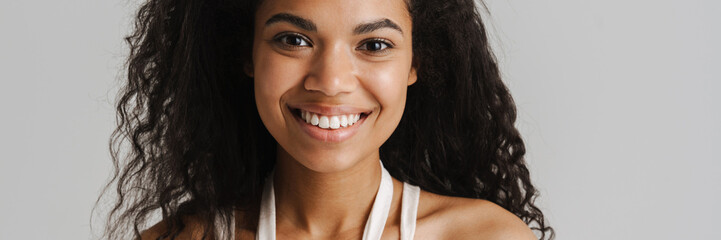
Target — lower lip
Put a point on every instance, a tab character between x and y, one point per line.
329	135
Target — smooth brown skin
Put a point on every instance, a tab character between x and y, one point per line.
323	189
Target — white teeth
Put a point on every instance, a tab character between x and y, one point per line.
343	120
314	120
324	123
352	119
332	122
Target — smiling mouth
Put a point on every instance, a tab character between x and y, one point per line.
329	122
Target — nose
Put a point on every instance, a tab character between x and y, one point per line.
331	72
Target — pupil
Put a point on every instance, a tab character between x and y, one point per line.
375	46
293	41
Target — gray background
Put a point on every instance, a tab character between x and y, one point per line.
618	103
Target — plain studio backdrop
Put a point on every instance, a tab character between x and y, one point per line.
618	104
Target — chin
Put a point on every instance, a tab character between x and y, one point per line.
327	162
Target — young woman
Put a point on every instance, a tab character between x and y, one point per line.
318	119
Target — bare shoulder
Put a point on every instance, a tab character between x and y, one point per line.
192	230
444	217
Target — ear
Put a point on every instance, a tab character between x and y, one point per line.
248	69
412	76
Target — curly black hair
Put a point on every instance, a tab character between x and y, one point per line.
198	146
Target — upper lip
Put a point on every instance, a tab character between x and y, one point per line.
330	110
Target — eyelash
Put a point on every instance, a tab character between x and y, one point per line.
381	41
280	40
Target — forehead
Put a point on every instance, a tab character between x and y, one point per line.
328	14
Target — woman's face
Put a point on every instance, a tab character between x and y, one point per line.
331	77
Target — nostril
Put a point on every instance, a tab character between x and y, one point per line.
331	82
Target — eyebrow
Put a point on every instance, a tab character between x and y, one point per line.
372	26
300	22
308	25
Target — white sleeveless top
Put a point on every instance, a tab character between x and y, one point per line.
374	225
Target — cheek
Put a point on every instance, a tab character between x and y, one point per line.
275	76
388	85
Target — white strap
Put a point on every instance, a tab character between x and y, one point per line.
373	228
266	223
409	210
381	207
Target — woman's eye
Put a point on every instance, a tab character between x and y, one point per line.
293	40
375	46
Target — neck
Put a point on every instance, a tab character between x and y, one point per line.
324	203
